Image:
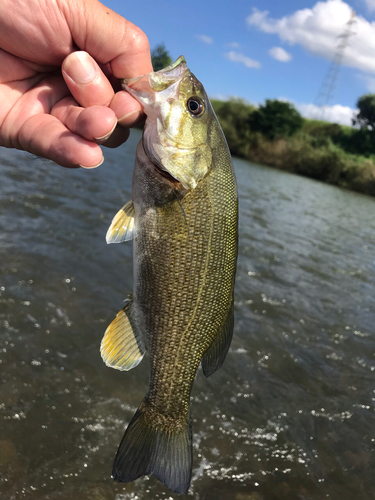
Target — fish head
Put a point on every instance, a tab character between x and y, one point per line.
176	136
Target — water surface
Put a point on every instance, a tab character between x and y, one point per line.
291	413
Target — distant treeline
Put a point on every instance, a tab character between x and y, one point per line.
275	134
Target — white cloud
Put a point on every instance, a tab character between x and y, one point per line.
280	54
335	114
370	4
205	39
318	30
240	58
235	45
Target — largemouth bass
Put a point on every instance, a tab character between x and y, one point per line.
183	218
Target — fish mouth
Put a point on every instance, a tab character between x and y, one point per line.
143	87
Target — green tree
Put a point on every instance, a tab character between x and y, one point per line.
276	119
233	116
365	118
160	57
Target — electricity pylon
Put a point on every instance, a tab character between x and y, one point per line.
330	80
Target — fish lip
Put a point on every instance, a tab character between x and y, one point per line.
178	61
172	72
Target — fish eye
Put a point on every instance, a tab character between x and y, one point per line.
195	106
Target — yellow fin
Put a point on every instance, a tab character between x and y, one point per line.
122	226
122	347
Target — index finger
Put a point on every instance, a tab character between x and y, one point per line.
108	37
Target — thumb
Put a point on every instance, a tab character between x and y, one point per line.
108	37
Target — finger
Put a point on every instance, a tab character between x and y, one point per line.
26	99
127	110
94	124
44	135
86	81
90	86
108	37
97	123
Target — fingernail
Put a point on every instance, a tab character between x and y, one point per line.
132	113
95	166
107	136
80	67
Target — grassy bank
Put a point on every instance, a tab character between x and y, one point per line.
328	152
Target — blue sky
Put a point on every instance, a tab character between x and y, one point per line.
262	49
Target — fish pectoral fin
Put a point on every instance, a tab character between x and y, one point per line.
122	225
122	346
215	355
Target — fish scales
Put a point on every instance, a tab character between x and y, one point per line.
194	264
184	211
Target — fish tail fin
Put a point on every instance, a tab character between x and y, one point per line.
146	450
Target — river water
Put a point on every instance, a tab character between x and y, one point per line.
290	415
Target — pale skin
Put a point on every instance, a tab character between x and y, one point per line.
60	61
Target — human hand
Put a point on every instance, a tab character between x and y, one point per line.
59	103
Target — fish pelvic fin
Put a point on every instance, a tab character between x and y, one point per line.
122	346
215	355
145	450
122	225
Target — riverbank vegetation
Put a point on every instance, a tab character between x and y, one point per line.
275	134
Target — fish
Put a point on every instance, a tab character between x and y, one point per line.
183	220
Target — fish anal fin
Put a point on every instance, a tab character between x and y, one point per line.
122	225
122	346
215	355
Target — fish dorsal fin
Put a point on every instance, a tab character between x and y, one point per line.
122	346
214	357
122	225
